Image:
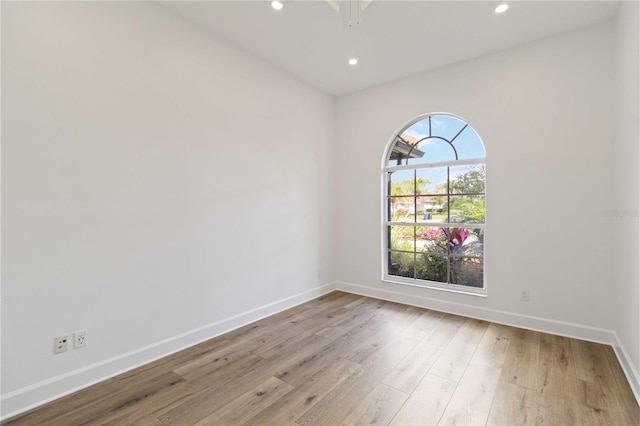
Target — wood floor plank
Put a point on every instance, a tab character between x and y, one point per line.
410	371
297	373
212	361
332	309
423	325
297	349
496	337
427	403
471	401
289	335
332	332
357	302
318	308
598	405
305	348
146	411
521	366
135	393
513	405
213	371
393	325
173	361
453	361
323	307
269	340
220	390
248	405
557	405
556	360
359	313
343	399
591	362
250	331
300	327
556	382
398	313
294	404
379	407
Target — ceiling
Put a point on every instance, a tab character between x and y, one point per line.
394	39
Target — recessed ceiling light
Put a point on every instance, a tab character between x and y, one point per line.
277	5
353	61
502	8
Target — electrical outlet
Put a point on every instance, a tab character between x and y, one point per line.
60	344
80	339
524	295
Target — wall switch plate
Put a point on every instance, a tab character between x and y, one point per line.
60	344
80	339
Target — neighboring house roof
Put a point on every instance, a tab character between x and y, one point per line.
404	147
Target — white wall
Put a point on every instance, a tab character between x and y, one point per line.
625	205
147	167
158	187
544	111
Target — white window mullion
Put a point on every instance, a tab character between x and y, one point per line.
465	225
455	163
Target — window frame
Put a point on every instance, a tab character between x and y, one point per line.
386	223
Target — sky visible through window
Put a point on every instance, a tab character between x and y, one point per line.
467	144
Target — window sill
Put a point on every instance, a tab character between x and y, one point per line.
432	285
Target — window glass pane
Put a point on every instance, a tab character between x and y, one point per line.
467	271
431	248
446	126
432	181
435	150
432	239
401	264
467	179
402	182
402	238
431	208
464	242
466	209
432	267
469	145
418	130
402	209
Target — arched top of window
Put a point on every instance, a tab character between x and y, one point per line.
435	138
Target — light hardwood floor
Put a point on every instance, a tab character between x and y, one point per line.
346	359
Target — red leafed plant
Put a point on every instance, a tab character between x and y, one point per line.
431	234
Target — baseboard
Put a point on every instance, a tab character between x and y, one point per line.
633	377
560	328
27	398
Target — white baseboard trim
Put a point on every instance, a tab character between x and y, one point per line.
559	328
29	397
633	377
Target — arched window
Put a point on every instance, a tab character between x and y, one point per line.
434	210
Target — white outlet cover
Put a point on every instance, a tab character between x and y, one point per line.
80	339
60	344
